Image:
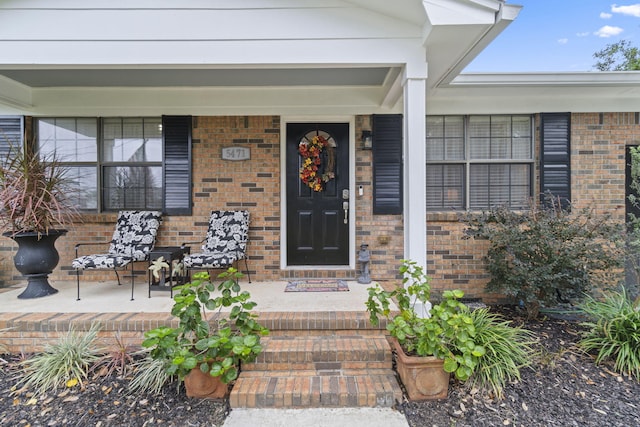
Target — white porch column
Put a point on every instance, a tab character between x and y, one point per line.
415	211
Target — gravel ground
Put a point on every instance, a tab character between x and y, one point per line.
565	389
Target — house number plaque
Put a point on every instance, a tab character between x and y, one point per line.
236	153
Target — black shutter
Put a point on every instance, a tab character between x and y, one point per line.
176	132
11	131
387	164
555	157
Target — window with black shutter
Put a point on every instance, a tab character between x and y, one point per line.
387	164
177	164
11	131
555	157
118	163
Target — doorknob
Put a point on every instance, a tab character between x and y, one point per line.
345	207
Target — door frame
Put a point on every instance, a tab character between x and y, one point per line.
350	120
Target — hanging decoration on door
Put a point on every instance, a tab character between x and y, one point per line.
318	161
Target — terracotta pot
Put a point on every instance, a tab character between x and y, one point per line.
203	386
424	378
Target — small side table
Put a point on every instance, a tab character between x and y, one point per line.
172	255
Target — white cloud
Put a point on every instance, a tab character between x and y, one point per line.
632	9
583	34
563	41
608	31
605	15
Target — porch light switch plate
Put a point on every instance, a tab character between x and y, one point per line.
236	153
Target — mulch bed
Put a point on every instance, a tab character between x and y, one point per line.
565	389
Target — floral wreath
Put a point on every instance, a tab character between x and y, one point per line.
310	171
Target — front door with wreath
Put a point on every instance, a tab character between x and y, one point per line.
317	179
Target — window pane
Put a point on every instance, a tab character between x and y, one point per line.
445	138
138	187
435	149
479	127
69	140
500	184
480	148
132	140
85	187
445	187
500	126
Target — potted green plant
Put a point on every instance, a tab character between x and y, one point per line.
429	346
217	331
36	207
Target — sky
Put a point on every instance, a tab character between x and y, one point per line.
559	35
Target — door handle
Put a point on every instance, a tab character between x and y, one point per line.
345	207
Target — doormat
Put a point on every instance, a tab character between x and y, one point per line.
317	285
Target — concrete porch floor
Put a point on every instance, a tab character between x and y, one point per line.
108	297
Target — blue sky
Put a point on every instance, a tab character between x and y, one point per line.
559	35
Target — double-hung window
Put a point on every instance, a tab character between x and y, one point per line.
478	162
119	163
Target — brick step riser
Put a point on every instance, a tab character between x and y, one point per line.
323	353
316	366
365	390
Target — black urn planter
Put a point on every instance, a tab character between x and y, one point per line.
36	258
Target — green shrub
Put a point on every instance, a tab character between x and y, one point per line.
546	254
448	333
217	347
507	350
613	331
69	359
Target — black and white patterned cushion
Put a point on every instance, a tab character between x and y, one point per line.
133	239
226	241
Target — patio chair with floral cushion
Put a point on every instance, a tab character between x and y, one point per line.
133	239
225	243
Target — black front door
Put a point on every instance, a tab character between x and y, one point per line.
317	193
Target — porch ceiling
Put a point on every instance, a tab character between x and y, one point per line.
189	77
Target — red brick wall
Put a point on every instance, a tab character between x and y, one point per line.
598	143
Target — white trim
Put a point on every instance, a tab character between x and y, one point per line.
350	120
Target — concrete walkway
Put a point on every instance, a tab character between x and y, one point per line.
316	417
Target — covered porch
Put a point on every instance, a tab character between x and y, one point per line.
32	323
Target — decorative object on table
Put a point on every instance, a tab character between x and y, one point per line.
157	266
208	343
133	240
317	285
364	256
36	207
166	268
225	243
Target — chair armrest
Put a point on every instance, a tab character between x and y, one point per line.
78	245
191	243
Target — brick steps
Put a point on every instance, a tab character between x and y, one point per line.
318	371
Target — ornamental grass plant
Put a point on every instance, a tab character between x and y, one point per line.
613	331
507	350
65	363
150	375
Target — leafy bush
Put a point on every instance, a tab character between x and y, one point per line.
507	350
65	362
613	331
546	254
217	349
448	333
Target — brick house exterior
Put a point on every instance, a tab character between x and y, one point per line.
253	110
